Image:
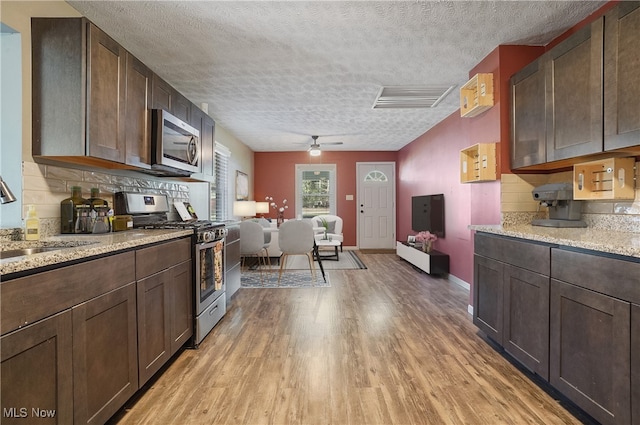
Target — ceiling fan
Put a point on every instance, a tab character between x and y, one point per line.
314	149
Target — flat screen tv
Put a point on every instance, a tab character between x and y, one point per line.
427	213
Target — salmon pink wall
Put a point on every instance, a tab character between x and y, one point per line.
274	175
431	163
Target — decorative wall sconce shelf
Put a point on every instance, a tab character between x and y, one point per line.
478	163
476	96
611	178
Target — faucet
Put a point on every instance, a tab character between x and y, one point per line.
5	193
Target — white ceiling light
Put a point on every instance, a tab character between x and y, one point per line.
314	150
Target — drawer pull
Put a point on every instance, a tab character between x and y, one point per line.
213	310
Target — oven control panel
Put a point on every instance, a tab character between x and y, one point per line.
211	235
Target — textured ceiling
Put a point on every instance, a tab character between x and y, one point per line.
275	73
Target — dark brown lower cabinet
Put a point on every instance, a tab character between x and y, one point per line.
570	315
37	384
635	364
181	307
77	361
165	317
105	355
590	351
526	318
153	324
165	303
511	302
488	297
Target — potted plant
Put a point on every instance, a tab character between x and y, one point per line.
325	224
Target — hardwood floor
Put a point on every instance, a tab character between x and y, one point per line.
387	345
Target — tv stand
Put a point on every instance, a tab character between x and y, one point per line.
433	262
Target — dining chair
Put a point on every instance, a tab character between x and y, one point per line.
252	243
296	237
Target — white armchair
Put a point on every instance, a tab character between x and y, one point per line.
334	227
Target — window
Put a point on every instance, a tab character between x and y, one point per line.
376	176
220	190
315	190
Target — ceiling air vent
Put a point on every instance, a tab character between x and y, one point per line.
395	97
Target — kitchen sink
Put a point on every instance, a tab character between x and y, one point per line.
28	251
20	249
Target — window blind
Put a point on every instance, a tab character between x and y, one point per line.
220	189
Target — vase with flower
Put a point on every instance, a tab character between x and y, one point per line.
427	239
279	209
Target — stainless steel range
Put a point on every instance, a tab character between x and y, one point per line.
150	212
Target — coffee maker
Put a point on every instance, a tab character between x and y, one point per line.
564	211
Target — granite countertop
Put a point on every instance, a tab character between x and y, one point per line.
612	242
75	247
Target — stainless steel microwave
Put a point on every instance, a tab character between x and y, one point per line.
175	145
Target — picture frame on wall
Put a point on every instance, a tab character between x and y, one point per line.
242	186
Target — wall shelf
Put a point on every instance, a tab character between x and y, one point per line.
476	95
611	178
478	163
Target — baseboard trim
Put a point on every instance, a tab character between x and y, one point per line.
378	251
459	282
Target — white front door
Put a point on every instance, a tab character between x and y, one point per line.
376	205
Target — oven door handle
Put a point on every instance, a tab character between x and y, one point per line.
207	245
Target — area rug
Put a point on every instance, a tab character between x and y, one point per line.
348	260
290	279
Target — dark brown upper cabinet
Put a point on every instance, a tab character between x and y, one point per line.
574	94
78	91
208	144
181	107
105	96
205	124
622	76
162	94
90	97
579	100
528	131
138	123
167	98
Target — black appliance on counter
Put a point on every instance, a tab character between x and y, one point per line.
150	212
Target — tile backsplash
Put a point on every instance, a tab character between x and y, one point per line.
45	186
518	207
